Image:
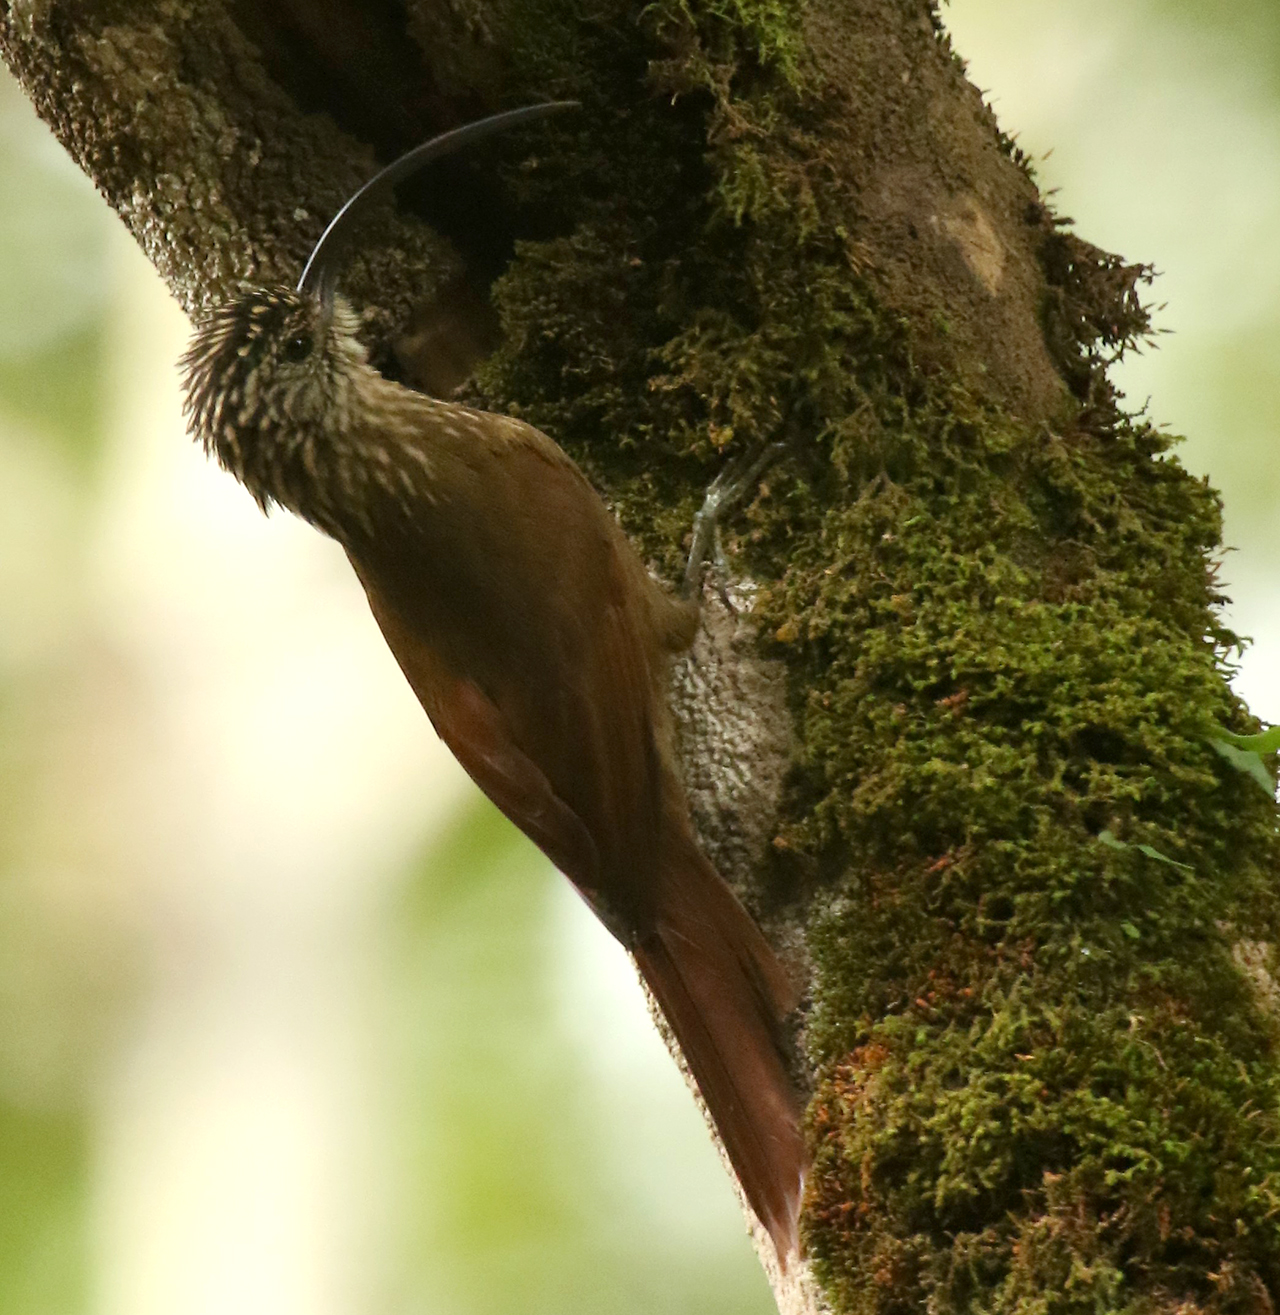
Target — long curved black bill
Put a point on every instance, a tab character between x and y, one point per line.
330	243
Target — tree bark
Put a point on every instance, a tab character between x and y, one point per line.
976	629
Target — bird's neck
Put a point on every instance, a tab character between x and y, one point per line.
363	471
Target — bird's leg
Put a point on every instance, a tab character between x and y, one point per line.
725	492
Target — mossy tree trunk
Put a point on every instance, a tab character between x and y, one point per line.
1043	1065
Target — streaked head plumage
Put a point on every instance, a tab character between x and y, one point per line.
275	380
272	357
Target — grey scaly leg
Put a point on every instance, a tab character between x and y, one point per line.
725	492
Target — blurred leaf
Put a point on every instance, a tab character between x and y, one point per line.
511	1204
1232	402
53	293
1246	760
57	390
1247	29
1163	858
1109	839
1263	742
52	236
43	1223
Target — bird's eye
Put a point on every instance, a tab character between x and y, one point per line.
298	348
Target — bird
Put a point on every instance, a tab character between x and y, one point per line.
537	643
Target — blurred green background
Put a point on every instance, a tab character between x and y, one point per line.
291	1022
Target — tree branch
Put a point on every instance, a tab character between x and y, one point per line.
983	626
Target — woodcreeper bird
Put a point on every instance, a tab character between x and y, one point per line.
538	645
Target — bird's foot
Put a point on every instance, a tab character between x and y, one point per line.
726	491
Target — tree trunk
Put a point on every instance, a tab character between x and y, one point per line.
955	748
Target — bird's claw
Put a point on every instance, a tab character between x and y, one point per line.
724	492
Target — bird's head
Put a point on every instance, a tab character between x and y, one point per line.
280	356
276	362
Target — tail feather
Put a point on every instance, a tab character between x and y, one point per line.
725	996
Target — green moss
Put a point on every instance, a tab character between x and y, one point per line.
1046	1084
726	45
1045	1154
1043	1082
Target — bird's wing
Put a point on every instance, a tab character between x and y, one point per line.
473	727
524	622
589	716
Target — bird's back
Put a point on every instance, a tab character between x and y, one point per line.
542	605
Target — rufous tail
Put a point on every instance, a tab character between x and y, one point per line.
725	996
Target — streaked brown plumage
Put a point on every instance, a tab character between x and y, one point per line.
539	647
